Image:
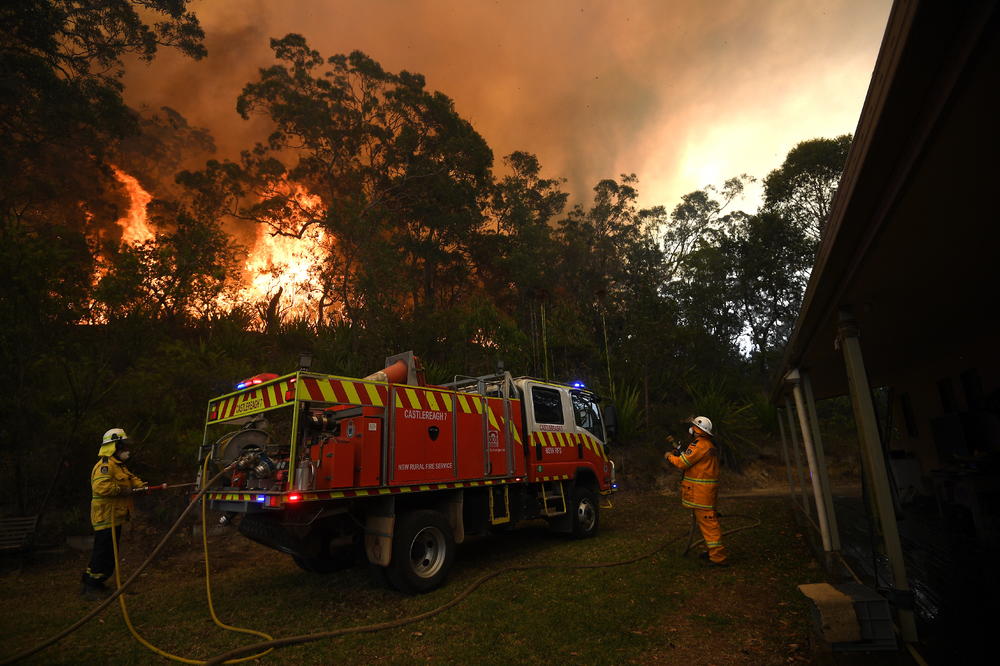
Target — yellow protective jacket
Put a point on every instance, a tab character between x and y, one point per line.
111	484
700	462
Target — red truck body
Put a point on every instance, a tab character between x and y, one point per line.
361	458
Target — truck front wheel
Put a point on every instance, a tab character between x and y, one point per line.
586	512
423	550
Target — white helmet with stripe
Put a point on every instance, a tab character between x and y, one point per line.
111	439
703	423
113	435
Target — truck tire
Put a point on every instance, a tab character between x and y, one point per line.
586	512
423	550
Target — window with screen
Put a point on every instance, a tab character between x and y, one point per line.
547	404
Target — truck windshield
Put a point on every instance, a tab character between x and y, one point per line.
587	414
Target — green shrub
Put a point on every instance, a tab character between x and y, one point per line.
629	411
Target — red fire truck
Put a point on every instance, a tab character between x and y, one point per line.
328	467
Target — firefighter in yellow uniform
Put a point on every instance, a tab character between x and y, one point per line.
112	485
700	486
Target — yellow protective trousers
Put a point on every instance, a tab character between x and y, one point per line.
711	532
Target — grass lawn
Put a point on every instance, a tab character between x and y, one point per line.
663	609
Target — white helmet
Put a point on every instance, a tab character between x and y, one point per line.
702	423
113	435
111	440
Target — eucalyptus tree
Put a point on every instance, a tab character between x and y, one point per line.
394	177
802	188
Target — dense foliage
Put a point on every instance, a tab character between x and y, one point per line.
427	244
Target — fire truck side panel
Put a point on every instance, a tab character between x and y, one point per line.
496	439
470	430
369	457
422	448
516	438
352	458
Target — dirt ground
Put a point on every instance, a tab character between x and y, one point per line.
663	609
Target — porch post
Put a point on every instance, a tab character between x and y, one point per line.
821	461
790	412
785	456
814	471
871	453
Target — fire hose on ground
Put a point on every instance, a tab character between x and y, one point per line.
461	596
256	650
121	587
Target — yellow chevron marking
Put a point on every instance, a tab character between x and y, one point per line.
373	394
352	392
399	401
327	391
493	418
424	487
464	404
478	404
411	395
446	399
384	491
432	401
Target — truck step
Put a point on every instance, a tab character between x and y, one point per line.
552	511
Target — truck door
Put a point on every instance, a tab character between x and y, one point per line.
549	422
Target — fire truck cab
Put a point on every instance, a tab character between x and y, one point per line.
388	468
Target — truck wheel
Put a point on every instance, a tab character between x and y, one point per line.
423	549
586	512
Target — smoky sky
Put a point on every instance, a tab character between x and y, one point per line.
684	93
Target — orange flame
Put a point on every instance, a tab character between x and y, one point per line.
285	262
134	224
274	263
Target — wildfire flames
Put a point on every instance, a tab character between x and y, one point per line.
274	263
287	263
135	225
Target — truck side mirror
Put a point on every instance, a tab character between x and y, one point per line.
610	420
